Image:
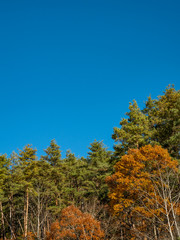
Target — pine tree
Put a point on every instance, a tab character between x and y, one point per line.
53	157
41	198
75	177
98	169
135	132
4	172
164	115
53	153
24	173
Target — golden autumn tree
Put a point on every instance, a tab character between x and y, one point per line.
75	225
144	192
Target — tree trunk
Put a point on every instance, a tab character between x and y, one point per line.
38	215
2	222
26	207
155	233
11	215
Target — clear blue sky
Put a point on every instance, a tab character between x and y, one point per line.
68	69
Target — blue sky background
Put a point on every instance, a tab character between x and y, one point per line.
68	69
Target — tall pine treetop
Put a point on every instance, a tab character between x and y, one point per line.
134	131
164	114
53	153
98	154
27	155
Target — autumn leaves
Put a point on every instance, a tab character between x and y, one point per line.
143	192
75	225
131	193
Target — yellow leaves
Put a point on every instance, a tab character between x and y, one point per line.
30	236
177	209
113	196
138	184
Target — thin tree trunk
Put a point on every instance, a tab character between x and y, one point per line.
2	222
155	230
20	225
48	225
12	217
38	216
45	221
26	208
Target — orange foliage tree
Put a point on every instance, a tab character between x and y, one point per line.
144	192
75	225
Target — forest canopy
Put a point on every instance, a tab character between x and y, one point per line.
131	192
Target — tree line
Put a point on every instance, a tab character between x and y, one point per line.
132	192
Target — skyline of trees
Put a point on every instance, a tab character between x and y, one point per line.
132	191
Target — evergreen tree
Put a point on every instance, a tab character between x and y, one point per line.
53	153
164	115
135	131
4	172
42	197
24	174
75	177
53	157
98	169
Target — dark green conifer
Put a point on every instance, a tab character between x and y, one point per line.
164	115
53	153
53	158
98	169
24	173
4	174
134	132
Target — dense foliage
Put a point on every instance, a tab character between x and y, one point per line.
129	193
75	225
141	192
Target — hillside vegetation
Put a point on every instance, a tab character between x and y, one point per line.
132	192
